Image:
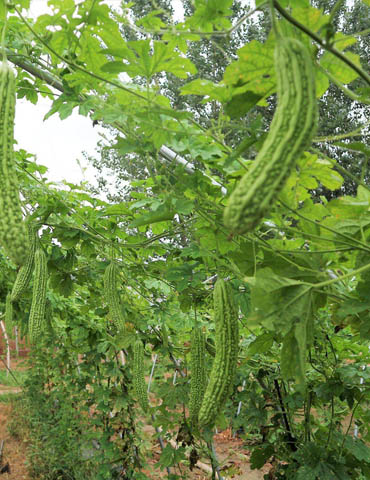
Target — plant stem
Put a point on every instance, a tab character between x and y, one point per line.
322	42
338	279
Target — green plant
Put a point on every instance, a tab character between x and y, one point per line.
15	379
25	272
8	314
198	373
37	312
13	232
112	296
224	365
210	346
138	375
291	132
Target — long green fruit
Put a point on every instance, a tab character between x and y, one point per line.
224	365
37	312
8	315
25	272
112	296
13	231
138	375
291	132
198	373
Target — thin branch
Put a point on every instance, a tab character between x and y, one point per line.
322	42
342	136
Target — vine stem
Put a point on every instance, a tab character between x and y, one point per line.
3	33
342	170
350	422
160	439
322	42
352	95
338	279
342	136
325	227
273	19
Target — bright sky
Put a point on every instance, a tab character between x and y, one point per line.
57	144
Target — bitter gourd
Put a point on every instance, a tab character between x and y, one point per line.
25	272
210	347
37	312
112	296
224	365
8	315
291	132
198	373
13	231
139	384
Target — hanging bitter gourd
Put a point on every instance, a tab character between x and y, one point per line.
112	296
198	373
25	272
13	231
139	384
37	312
210	346
291	132
224	365
8	315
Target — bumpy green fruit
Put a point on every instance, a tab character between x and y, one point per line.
25	272
112	296
210	347
13	231
224	365
198	373
291	132
8	315
37	312
138	375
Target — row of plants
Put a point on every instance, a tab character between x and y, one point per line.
231	287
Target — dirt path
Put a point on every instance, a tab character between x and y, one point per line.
14	450
231	453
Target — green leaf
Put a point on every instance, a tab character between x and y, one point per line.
358	449
208	89
306	472
276	301
255	68
152	217
3	10
211	15
62	283
113	67
311	17
355	147
260	456
239	105
261	344
293	354
343	72
146	59
170	456
349	207
183	205
118	209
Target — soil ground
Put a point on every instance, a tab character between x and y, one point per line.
231	452
14	449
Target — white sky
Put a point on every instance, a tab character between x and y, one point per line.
57	143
